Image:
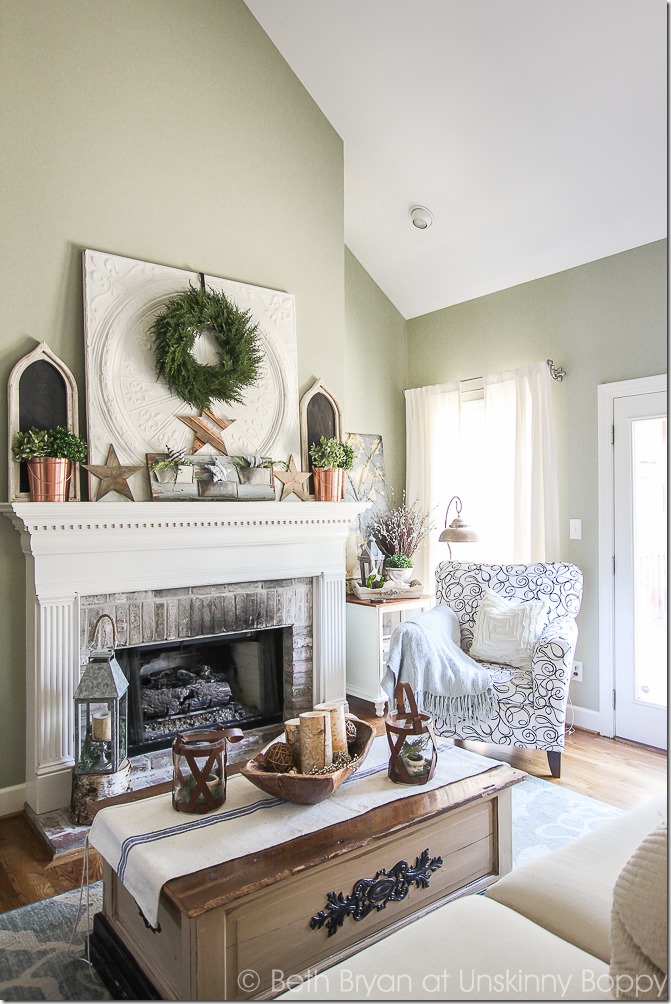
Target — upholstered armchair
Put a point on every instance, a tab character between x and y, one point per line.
531	701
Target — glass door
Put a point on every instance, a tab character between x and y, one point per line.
640	490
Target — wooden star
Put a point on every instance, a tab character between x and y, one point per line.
293	481
113	476
201	425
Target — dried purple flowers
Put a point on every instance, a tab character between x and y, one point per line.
401	529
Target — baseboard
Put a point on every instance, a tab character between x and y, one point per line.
12	800
586	718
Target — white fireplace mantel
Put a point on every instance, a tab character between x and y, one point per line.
81	548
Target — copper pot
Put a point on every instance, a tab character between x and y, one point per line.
49	479
329	484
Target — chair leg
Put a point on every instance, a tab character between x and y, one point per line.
554	760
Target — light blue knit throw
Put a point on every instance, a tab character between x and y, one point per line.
425	653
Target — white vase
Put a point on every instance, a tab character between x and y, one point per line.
399	576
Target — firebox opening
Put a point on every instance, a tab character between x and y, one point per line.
235	679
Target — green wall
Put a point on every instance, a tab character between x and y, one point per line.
167	131
376	368
602	322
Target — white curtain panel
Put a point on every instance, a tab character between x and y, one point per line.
508	488
432	465
520	452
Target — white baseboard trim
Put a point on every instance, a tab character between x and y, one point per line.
12	799
586	718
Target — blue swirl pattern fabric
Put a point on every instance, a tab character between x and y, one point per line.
531	703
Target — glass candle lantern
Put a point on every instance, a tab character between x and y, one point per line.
199	768
100	711
412	741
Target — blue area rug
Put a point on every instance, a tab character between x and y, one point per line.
37	965
546	816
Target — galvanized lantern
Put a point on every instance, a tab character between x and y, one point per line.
412	741
100	711
199	768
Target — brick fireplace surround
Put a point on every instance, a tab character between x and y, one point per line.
166	570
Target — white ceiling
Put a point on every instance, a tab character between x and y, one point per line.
534	130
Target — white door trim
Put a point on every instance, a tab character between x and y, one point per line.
607	393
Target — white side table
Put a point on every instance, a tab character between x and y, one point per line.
369	627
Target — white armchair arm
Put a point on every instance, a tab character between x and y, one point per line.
551	665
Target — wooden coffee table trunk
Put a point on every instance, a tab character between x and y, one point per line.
242	929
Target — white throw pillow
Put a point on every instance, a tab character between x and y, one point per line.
506	630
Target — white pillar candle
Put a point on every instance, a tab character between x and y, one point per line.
101	726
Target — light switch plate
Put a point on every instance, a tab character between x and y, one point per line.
575	529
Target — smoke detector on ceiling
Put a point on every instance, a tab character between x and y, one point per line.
421	217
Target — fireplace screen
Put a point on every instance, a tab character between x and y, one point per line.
235	679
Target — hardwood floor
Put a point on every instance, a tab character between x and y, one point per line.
611	770
615	771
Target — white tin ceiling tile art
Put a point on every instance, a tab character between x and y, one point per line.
130	409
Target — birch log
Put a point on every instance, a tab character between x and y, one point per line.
316	749
292	730
336	711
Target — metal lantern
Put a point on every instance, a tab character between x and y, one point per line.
412	741
100	711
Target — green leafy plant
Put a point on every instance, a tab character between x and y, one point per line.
375	581
401	529
413	748
332	453
398	560
257	461
56	442
174	461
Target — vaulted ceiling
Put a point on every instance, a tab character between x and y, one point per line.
533	130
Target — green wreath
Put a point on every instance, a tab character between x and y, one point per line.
175	331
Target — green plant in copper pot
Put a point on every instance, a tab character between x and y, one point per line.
332	453
50	456
330	459
57	442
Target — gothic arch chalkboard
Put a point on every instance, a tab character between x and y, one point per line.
320	416
41	391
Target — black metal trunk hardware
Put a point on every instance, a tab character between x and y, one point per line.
374	894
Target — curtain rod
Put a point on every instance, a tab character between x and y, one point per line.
556	372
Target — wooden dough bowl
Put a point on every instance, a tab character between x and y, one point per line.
308	789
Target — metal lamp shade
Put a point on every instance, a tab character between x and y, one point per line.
458	532
100	715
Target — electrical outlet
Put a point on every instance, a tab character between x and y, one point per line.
577	672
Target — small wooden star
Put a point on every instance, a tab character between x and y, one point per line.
113	476
293	481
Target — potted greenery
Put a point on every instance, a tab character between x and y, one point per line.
50	456
173	467
412	755
330	459
399	567
254	469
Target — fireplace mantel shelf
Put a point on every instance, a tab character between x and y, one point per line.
41	516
